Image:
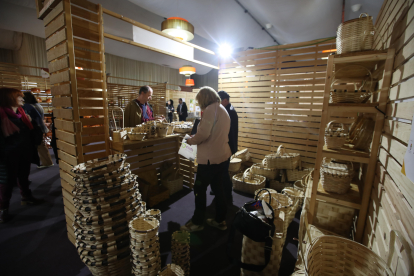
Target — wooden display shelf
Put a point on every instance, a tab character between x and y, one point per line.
354	107
130	144
351	199
346	153
362	56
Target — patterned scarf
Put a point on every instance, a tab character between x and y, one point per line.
7	126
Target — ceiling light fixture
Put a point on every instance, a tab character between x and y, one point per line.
189	82
187	70
178	27
225	50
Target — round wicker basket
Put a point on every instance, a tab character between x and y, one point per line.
248	183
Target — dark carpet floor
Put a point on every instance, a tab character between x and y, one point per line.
34	241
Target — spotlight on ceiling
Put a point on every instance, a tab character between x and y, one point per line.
356	7
225	50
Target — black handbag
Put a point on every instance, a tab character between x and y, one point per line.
248	222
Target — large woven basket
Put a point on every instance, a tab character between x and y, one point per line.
336	177
281	160
261	170
359	95
355	35
174	182
247	182
335	137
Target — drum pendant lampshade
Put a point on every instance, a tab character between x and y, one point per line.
189	82
187	70
178	27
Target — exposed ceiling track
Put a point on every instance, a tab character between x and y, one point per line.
263	28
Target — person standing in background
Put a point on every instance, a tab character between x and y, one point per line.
182	110
43	151
170	107
17	149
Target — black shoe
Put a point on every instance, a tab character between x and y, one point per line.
212	193
4	215
31	200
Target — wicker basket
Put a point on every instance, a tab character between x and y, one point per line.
281	160
360	134
359	95
278	185
335	137
355	35
297	174
180	250
162	130
97	166
336	177
235	164
136	136
172	270
174	182
243	154
261	170
248	183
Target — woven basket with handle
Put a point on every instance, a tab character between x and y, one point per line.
174	182
355	35
247	182
359	95
336	177
335	137
281	160
266	172
243	154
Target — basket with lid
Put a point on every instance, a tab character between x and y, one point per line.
336	176
281	159
335	135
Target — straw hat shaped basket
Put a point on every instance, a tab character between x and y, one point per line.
333	255
335	137
281	160
359	95
336	177
266	172
247	182
355	35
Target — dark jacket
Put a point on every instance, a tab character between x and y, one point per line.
183	110
234	128
170	109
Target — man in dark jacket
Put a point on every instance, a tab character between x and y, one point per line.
233	134
182	110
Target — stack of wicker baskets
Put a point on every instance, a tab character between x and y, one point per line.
106	198
145	247
335	137
180	250
247	182
156	213
172	270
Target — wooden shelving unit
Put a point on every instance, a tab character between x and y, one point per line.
380	63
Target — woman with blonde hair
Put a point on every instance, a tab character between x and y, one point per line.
213	152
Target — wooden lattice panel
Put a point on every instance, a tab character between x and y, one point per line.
277	93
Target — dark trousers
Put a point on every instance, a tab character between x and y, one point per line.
170	117
213	174
228	184
182	118
18	170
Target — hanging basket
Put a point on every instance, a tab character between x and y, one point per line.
355	35
261	170
336	177
281	160
247	182
335	137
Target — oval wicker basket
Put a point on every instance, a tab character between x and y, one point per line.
336	177
235	164
335	138
266	172
281	160
248	183
355	35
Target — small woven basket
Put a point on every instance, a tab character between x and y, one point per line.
162	130
261	170
355	35
335	137
174	182
247	182
336	177
235	164
281	160
136	136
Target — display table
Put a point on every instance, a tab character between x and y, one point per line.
149	154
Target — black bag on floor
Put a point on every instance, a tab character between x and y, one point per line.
248	222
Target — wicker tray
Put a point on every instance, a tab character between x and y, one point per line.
355	35
248	184
281	160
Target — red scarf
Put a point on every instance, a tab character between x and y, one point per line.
7	127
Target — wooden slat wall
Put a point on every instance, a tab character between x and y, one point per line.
277	93
75	51
176	94
159	99
392	198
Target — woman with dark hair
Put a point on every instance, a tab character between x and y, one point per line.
16	149
43	151
170	108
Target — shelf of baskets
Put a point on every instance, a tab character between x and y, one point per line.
350	92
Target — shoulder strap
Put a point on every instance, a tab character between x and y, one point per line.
251	267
